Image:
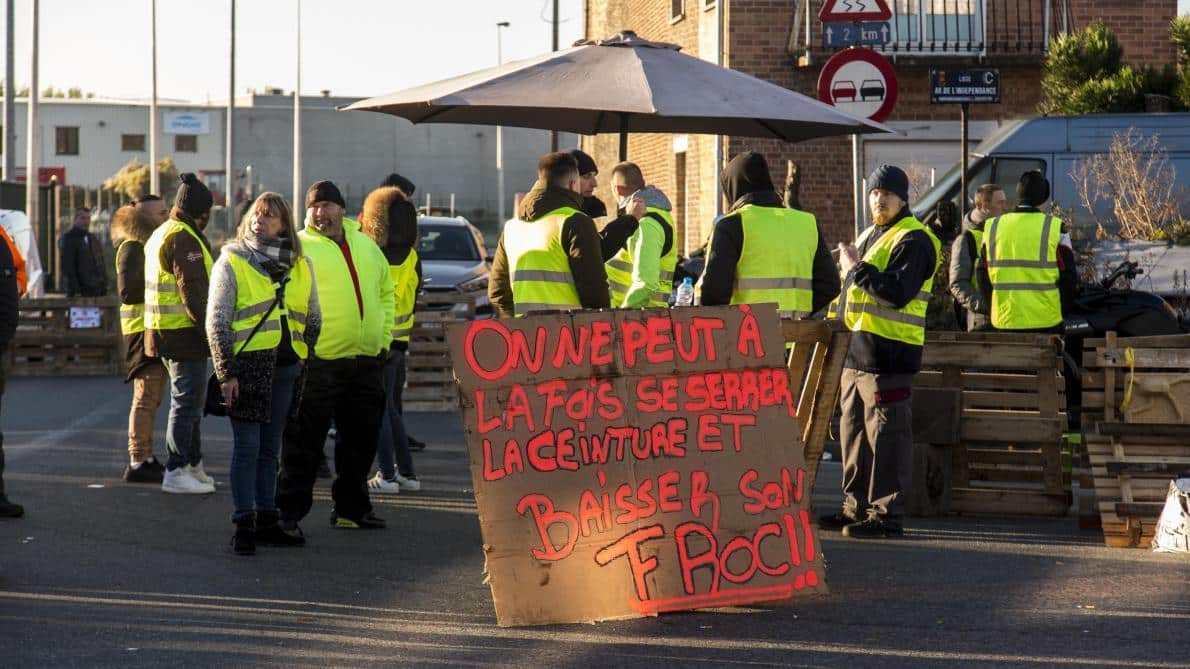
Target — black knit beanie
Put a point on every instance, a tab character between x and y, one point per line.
1033	189
586	164
407	187
324	191
890	178
193	196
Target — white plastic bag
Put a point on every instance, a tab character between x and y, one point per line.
1173	528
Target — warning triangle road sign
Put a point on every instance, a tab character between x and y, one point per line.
854	10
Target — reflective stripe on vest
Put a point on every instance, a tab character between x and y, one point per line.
864	314
163	303
619	269
132	316
405	294
255	293
777	259
1022	257
538	264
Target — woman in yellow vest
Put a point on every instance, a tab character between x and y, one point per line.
390	219
262	321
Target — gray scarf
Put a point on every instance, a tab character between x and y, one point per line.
274	253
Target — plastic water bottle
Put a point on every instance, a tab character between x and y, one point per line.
685	296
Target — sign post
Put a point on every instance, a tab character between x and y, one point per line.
964	87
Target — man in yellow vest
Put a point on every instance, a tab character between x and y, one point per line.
390	219
615	233
177	274
130	229
763	251
344	379
1027	263
641	274
888	276
549	257
965	254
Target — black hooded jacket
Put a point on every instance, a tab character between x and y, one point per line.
9	297
745	181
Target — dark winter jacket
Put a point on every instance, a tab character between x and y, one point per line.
615	234
129	232
1067	271
253	369
746	182
910	263
8	297
83	273
579	239
971	299
182	255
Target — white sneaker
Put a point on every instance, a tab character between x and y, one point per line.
408	485
199	473
181	482
382	485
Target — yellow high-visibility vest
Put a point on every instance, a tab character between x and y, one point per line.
538	264
864	314
777	260
132	316
1022	256
255	292
405	294
163	303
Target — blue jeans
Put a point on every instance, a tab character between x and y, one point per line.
256	447
187	394
393	443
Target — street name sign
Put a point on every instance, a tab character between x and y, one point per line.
965	86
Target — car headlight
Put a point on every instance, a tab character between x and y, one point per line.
479	283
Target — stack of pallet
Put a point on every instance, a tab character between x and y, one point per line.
1136	394
818	350
59	336
1010	458
429	381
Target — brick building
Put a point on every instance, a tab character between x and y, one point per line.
780	41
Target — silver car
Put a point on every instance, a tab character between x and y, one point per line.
453	259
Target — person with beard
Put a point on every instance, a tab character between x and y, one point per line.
616	233
965	256
177	276
549	257
344	375
764	251
888	275
263	319
130	230
390	219
1027	263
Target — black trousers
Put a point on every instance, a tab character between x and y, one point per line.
350	392
3	379
876	438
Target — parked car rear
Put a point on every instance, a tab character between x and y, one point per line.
453	259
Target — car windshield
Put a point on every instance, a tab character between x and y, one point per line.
446	242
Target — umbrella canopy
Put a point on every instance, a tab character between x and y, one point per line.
622	84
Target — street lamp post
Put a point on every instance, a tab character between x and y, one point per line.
500	134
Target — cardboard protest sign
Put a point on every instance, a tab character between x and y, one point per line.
632	462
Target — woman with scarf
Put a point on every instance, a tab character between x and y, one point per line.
263	319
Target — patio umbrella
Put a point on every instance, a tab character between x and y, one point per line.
623	84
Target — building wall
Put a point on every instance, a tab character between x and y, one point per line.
757	36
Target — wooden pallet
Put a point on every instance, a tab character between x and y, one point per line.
816	367
429	380
1136	446
46	345
1010	459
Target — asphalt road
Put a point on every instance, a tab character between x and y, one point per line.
105	574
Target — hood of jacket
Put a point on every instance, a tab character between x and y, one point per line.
653	197
390	219
543	198
747	175
129	224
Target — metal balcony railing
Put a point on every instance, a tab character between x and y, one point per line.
975	27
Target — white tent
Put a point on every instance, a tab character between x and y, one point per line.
16	224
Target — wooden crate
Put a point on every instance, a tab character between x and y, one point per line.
429	380
815	367
46	345
1136	446
1010	459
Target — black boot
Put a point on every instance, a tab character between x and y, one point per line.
270	533
10	509
244	540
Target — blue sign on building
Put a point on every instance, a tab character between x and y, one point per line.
868	33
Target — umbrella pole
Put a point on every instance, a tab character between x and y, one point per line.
623	146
